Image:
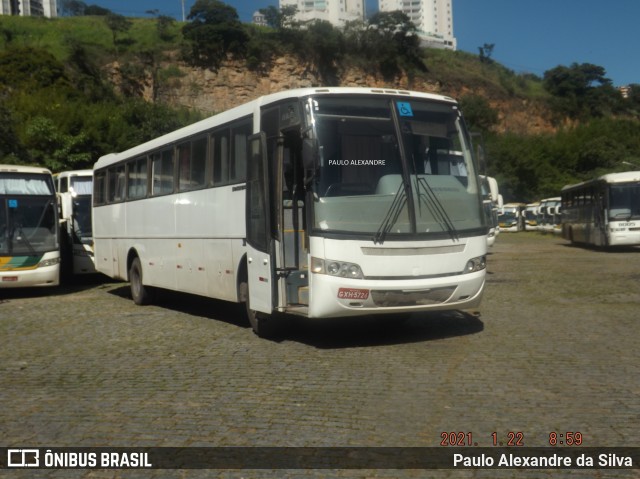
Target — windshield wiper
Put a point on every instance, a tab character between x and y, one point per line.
435	207
16	231
392	215
19	234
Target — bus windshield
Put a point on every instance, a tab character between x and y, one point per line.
28	219
624	202
82	185
392	166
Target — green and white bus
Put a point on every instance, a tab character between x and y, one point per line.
29	228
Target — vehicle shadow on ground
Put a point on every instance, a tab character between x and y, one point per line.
327	333
78	284
194	305
602	249
369	331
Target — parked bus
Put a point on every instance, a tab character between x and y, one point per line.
311	202
491	202
549	215
604	211
29	232
531	216
76	238
511	217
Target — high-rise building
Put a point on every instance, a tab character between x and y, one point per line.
26	8
433	18
337	12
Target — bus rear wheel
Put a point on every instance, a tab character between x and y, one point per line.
140	294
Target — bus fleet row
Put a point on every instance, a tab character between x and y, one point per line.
602	212
45	226
544	215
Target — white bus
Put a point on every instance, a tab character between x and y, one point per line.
531	216
511	217
492	201
76	239
549	215
311	202
29	231
604	211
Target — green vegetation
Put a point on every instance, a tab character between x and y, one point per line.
59	108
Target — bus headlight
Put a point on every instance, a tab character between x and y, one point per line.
341	269
48	262
475	264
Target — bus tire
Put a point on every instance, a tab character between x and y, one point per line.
140	294
263	325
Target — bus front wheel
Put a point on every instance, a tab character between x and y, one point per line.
261	324
139	292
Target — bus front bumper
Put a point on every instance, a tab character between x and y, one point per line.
44	276
340	297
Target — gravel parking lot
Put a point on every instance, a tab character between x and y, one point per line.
554	349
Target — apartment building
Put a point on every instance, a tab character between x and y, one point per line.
27	8
433	18
337	12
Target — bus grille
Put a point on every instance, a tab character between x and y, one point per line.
394	298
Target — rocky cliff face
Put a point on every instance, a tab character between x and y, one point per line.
211	92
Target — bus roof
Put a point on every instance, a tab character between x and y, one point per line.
623	177
250	107
23	169
64	174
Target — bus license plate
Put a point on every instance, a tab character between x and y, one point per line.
352	293
10	278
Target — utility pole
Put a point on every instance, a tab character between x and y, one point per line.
183	17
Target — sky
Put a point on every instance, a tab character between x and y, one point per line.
529	36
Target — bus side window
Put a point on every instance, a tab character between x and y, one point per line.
100	188
137	178
238	163
117	183
221	157
198	162
162	172
184	165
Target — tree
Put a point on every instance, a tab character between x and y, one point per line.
214	32
117	24
581	91
633	99
165	23
73	8
53	148
279	18
96	10
11	150
485	52
393	42
323	47
30	68
478	113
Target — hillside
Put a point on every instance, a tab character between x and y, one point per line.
141	62
74	88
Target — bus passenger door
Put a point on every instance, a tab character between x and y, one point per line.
260	258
